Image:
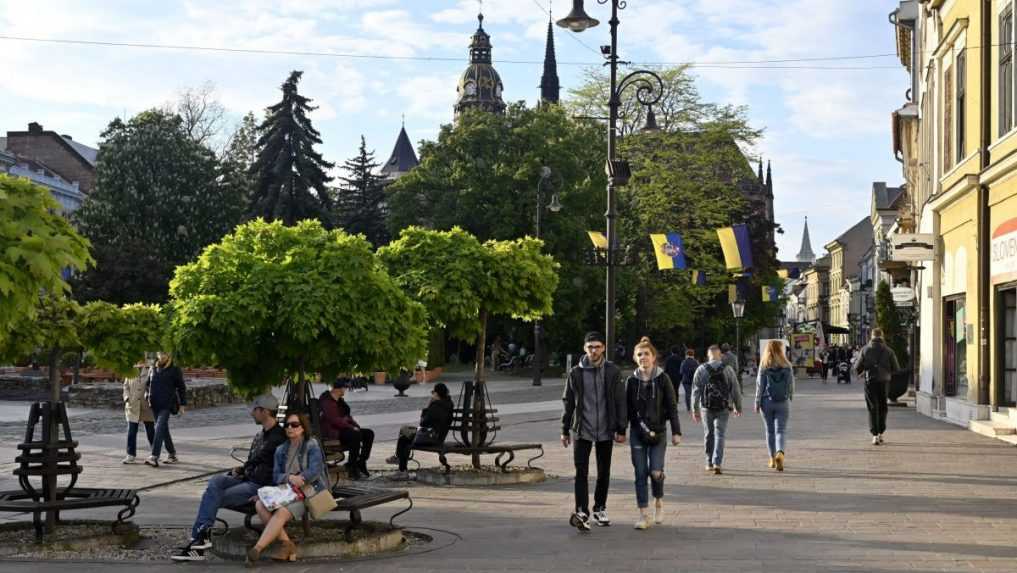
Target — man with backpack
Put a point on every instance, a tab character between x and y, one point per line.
878	363
715	394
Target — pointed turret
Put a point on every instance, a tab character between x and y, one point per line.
760	173
806	255
550	89
403	157
769	179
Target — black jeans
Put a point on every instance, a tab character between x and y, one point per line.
581	453
875	401
358	442
687	387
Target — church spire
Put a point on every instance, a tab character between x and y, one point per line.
806	255
769	178
759	174
480	85
549	86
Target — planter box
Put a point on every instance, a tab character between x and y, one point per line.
380	377
427	376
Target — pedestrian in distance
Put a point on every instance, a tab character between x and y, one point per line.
673	366
688	372
878	364
593	418
775	388
167	395
137	412
651	405
300	464
337	423
825	365
435	421
730	360
715	395
239	485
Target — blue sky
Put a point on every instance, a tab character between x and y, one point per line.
827	131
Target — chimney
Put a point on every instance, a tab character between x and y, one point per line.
35	127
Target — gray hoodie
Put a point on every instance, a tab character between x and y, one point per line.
594	402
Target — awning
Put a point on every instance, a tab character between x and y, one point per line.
831	329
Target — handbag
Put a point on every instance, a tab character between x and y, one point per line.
425	436
318	503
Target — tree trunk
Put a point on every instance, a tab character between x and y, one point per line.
50	485
301	392
479	407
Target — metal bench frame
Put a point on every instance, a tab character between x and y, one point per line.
71	499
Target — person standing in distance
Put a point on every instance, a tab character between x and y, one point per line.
715	394
730	359
593	415
878	363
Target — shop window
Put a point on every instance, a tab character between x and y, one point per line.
1008	306
955	351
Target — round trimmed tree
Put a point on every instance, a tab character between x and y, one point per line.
271	301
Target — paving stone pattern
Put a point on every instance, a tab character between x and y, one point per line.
933	498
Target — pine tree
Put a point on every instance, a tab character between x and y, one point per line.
889	319
360	200
290	178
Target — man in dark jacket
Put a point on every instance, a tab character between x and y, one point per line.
239	484
594	415
673	366
337	423
687	373
878	363
167	394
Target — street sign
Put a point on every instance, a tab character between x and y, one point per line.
908	247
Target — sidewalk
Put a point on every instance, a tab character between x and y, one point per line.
934	498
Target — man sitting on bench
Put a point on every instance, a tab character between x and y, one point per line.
240	484
338	424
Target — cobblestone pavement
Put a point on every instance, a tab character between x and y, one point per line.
933	498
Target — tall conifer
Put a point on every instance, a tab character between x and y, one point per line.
361	198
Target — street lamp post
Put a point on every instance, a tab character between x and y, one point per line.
738	310
649	88
538	326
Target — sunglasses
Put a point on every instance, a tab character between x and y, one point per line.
293	425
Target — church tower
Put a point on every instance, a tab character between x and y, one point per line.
480	85
403	158
550	89
806	255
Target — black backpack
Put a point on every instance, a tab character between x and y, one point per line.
717	390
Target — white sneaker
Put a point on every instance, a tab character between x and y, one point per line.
171	460
880	439
644	521
129	460
875	440
658	512
152	461
601	518
580	521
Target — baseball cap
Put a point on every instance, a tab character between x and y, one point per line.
266	401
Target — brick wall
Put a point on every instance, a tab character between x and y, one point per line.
49	148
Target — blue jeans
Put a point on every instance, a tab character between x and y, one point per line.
162	434
223	490
687	387
714	428
132	436
647	460
775	415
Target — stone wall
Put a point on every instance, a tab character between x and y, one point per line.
201	392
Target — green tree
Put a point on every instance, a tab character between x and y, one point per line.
463	283
36	245
290	176
119	337
271	301
360	200
888	318
159	199
239	154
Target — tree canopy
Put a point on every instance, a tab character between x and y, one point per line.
36	245
119	337
290	176
270	300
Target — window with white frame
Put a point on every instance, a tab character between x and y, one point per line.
1006	77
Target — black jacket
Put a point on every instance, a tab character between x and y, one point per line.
877	362
438	417
660	409
673	368
572	399
260	460
166	389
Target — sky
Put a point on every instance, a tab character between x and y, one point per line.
826	122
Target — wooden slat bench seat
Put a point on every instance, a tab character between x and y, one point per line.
72	499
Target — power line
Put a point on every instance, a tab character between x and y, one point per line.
734	64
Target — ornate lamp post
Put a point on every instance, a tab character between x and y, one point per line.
738	310
649	88
538	326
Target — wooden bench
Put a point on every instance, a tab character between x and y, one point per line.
349	499
505	453
71	499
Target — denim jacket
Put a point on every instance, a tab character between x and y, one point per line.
312	463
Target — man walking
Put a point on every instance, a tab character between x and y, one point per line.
594	415
878	363
239	484
688	372
730	359
715	394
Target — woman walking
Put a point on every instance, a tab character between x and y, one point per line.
137	411
651	402
775	386
299	462
435	421
167	395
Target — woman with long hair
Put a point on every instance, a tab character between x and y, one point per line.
775	388
298	462
651	404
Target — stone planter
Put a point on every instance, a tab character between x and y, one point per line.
380	377
470	477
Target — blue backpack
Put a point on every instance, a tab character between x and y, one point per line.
778	383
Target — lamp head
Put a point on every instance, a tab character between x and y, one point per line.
738	308
555	205
578	20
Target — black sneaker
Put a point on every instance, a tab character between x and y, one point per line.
202	542
581	521
189	554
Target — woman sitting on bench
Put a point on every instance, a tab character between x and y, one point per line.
435	421
298	462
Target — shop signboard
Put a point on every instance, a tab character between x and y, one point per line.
909	247
1003	253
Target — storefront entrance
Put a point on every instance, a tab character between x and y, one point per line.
955	355
1006	354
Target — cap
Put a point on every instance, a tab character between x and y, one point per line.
266	401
